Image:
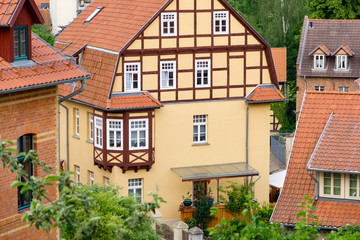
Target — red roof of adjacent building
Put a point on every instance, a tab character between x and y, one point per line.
323	48
132	100
279	57
265	93
315	114
9	9
48	66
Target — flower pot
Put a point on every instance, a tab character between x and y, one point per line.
187	202
211	202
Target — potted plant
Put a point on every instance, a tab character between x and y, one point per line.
211	198
187	199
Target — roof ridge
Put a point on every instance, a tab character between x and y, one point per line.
333	92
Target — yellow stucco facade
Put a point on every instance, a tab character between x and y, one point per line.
237	62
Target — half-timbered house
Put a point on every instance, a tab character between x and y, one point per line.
180	92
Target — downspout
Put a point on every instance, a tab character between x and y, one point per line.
247	139
316	186
83	81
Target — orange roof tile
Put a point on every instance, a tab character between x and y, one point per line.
41	73
345	48
323	48
101	65
132	101
314	115
265	93
4	63
42	51
10	8
279	57
338	148
126	17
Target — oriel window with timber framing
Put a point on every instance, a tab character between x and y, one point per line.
24	145
20	43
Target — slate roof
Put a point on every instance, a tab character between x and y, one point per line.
315	113
114	26
47	67
332	34
279	57
265	93
132	101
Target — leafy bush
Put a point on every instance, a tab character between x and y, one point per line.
44	31
236	196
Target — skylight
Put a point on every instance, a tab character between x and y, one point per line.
93	14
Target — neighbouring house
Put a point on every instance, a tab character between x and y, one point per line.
328	58
30	72
63	12
179	91
324	162
279	57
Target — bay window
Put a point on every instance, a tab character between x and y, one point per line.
114	134
138	134
98	133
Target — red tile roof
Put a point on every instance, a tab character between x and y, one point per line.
10	8
41	51
133	101
41	73
46	15
265	93
123	20
279	57
49	66
101	65
338	148
314	115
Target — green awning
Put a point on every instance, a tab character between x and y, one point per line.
216	171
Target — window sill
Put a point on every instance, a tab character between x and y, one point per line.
76	136
89	141
200	144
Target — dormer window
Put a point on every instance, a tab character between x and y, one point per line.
20	43
319	61
341	62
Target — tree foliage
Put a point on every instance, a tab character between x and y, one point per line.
82	212
44	31
334	9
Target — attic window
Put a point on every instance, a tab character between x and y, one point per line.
93	14
20	43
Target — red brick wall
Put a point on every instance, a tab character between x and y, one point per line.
32	112
330	84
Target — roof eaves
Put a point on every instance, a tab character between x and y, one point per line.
134	108
267	101
319	141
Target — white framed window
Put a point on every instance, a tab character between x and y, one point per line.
353	186
114	134
319	61
319	88
221	22
106	181
332	185
98	132
343	89
199	128
168	24
132	77
77	121
91	178
202	73
135	188
77	174
139	134
168	74
341	62
91	126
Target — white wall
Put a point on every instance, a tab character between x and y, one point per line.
62	12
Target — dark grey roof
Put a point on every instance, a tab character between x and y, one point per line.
331	33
